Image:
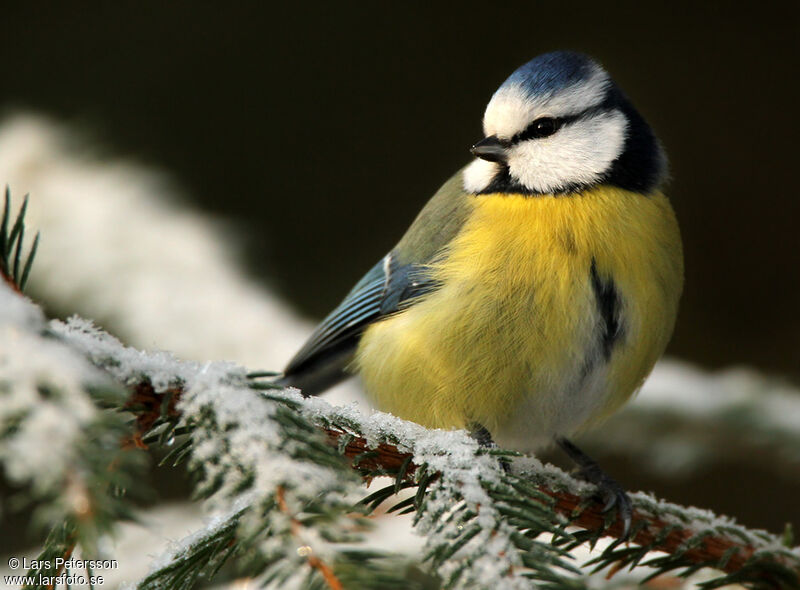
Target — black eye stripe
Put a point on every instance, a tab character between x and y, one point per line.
541	127
534	130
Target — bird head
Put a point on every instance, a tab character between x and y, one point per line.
559	124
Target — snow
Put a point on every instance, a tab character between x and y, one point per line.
252	443
211	525
43	392
118	246
129	365
687	389
465	470
243	439
667	426
238	444
19	311
454	454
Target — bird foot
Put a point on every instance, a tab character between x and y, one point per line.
484	438
609	491
612	494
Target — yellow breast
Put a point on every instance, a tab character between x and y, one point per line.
503	342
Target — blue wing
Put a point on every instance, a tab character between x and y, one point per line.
387	288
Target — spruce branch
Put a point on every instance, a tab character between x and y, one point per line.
298	522
60	433
726	550
278	460
691	538
313	561
14	266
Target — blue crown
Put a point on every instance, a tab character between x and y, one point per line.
549	73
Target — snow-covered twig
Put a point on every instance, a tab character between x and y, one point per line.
462	483
55	438
698	536
292	495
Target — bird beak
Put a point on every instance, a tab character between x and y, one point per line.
490	149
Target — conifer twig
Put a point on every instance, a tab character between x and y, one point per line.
315	562
8	280
14	269
729	553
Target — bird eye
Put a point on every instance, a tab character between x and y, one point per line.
542	127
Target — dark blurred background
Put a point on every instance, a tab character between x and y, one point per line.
322	129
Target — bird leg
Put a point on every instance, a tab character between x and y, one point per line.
609	491
485	440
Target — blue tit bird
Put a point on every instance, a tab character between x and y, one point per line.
536	289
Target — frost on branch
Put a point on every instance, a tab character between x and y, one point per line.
537	498
260	460
43	388
264	465
285	497
56	440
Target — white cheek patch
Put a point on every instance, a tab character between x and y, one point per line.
479	174
511	109
579	153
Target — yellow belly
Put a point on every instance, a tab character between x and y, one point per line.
503	342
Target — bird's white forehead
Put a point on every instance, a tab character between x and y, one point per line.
512	108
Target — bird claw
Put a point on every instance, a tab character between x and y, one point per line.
616	497
608	491
613	496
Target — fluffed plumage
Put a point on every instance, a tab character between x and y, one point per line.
535	291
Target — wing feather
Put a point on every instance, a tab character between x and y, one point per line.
388	288
385	289
358	307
